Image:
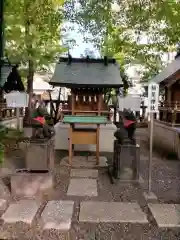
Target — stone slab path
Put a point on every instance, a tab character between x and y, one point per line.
22	211
84	204
82	187
96	212
166	215
57	215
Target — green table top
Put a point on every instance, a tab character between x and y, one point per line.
85	119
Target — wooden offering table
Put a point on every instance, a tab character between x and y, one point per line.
84	134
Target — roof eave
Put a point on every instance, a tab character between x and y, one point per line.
171	70
73	85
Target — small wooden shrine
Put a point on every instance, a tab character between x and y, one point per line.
169	80
87	109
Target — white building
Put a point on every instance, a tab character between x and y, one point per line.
134	75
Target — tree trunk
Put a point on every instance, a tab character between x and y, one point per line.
28	42
1	51
28	112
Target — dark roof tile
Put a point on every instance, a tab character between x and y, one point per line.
86	73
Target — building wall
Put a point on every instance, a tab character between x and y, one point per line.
175	92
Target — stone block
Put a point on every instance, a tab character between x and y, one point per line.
21	211
97	212
126	160
40	154
57	215
85	187
166	215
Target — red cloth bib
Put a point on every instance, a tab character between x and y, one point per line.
127	123
40	119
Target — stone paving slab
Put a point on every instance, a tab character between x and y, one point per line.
82	187
121	212
84	162
57	215
21	211
84	173
166	215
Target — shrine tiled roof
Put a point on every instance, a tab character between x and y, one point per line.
76	72
172	69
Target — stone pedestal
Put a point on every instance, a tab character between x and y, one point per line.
40	154
31	184
126	161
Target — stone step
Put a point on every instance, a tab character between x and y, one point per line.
117	212
25	219
57	215
166	215
22	211
82	187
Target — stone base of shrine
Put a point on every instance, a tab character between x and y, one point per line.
31	184
106	138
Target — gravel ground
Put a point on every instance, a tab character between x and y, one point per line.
165	185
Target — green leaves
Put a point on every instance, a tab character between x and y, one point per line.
139	32
32	30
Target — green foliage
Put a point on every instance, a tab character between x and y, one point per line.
2	136
6	135
119	33
32	31
32	34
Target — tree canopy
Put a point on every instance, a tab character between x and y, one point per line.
32	36
32	31
134	31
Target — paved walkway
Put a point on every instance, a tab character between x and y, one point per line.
85	205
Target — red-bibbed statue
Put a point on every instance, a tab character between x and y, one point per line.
41	129
126	127
130	123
